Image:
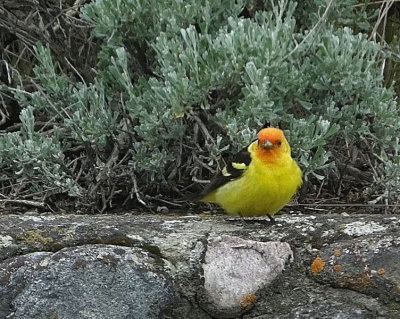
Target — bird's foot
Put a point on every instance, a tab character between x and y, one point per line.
271	219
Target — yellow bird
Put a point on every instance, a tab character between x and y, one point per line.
260	180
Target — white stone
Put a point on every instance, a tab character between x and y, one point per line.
361	228
235	267
6	241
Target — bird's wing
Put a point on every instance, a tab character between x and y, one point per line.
233	170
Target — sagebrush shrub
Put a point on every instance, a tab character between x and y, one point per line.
182	84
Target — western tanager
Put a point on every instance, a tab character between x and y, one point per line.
260	180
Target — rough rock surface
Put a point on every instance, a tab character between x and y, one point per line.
93	281
177	266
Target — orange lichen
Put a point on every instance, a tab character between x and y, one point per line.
248	301
337	267
356	282
381	271
337	252
318	265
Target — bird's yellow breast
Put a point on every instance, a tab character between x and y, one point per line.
264	188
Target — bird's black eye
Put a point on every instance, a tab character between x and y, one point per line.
279	142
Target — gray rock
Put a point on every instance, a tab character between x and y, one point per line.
98	281
344	266
369	265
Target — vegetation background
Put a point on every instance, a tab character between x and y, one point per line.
111	103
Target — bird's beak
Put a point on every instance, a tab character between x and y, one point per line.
267	145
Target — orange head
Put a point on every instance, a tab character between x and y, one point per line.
272	143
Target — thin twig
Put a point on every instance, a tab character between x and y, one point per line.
135	189
373	3
346	205
76	71
203	128
24	202
202	164
382	15
200	181
312	31
320	188
167	202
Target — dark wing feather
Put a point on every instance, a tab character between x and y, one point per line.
229	173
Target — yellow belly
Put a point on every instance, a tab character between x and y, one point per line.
262	189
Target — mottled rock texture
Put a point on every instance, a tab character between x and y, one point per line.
92	281
199	266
